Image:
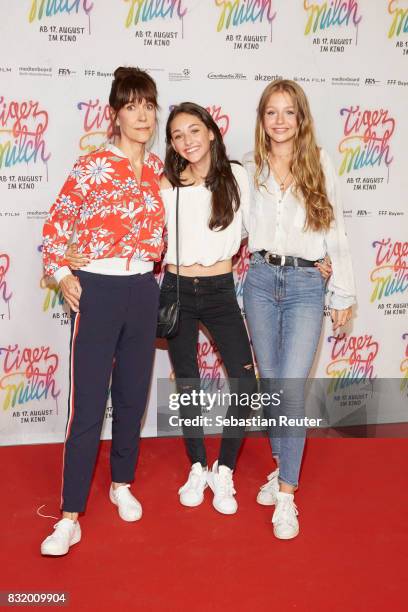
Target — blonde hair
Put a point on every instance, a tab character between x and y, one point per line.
306	169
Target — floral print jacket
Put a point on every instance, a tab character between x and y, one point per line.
113	215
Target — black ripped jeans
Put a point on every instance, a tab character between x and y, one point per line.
212	301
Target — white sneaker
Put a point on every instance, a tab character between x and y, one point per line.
285	523
66	533
192	492
267	493
129	507
222	485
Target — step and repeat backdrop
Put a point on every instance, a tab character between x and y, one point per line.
56	63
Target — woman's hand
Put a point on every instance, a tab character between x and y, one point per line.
324	267
71	290
340	317
76	260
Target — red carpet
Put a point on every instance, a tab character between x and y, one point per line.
351	553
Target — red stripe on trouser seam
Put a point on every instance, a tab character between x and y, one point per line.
71	406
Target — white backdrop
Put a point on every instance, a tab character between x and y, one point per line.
56	64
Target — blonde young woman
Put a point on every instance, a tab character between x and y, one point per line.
296	219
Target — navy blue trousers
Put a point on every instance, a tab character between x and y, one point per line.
112	335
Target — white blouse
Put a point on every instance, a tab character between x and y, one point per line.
277	225
198	244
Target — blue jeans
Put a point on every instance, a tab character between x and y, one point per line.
284	309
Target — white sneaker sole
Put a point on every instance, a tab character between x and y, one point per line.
221	511
288	537
127	520
75	540
262	502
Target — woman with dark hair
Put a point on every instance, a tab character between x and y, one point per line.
112	196
296	219
213	199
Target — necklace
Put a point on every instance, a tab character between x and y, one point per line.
282	181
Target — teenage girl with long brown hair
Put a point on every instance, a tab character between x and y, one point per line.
296	219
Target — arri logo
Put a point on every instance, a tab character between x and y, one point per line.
352	360
96	125
390	275
399	14
5	293
325	15
27	375
367	138
23	127
235	13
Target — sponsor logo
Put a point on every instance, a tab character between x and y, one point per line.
230	75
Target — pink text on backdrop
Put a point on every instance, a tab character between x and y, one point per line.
324	15
209	364
241	267
221	119
97	124
399	24
352	360
5	293
367	135
27	375
237	12
390	275
148	10
25	124
50	8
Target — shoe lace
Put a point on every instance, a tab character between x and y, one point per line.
226	484
285	511
272	479
193	481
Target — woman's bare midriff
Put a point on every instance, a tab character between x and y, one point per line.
221	267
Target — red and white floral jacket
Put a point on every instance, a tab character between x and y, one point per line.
113	215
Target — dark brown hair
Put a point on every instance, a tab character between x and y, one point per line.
131	85
220	179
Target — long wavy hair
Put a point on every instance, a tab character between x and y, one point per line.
306	169
220	180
